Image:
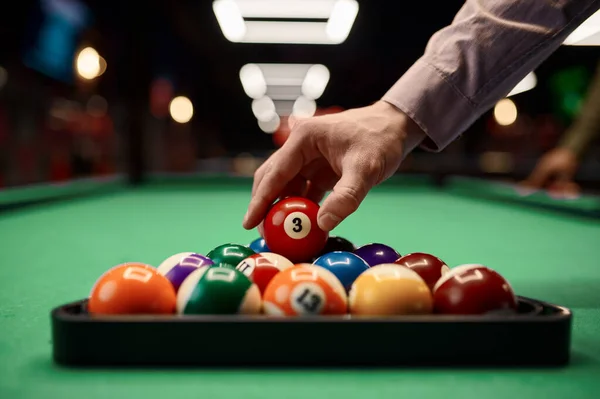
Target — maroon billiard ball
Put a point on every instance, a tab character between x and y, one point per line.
259	269
472	289
429	267
291	230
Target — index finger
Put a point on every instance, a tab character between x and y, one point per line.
284	166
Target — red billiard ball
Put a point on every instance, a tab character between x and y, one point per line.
472	289
429	267
291	230
259	269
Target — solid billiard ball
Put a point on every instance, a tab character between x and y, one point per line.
290	229
280	262
218	290
346	266
259	269
376	254
428	266
259	245
132	288
390	289
473	289
177	267
336	243
305	289
231	254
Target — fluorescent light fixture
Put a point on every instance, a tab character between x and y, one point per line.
253	81
283	90
338	18
284	81
587	34
315	81
341	20
230	19
528	83
308	9
263	109
284	107
304	107
271	125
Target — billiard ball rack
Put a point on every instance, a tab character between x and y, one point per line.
538	334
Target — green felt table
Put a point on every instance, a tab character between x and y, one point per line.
52	253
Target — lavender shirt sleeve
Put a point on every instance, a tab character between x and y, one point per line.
474	62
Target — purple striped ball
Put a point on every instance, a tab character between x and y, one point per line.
177	267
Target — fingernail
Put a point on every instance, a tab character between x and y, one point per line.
246	218
328	221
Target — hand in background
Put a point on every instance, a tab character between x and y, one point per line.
555	170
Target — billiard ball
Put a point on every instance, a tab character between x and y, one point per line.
305	289
259	269
280	262
231	254
132	288
390	289
376	254
177	267
346	266
428	266
290	229
336	243
472	289
218	290
259	245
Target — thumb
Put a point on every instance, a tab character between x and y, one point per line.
347	195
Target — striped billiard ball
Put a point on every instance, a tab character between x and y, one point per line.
218	290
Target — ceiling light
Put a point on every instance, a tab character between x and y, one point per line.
587	34
528	83
284	20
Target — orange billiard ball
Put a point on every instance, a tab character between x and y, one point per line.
305	289
132	288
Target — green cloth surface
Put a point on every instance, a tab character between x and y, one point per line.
52	254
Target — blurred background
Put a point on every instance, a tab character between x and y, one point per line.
105	89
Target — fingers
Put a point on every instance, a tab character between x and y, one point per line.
278	173
347	195
295	188
320	184
539	177
315	193
258	175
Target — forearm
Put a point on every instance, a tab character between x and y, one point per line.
586	127
471	64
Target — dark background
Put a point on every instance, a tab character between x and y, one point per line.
182	42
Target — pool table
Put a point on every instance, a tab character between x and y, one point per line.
53	250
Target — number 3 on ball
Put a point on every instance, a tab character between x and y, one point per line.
297	225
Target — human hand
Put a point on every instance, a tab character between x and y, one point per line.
349	153
557	167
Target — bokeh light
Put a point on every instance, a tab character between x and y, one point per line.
88	63
181	109
505	112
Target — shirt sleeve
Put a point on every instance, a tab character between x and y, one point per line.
586	127
478	59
